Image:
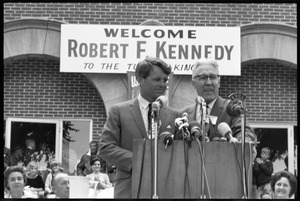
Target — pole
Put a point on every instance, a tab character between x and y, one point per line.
204	116
243	152
154	130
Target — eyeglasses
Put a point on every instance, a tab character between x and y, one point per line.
203	78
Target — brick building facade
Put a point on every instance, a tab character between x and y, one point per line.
34	87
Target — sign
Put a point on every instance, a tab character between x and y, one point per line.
118	48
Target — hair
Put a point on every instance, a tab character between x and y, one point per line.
267	149
145	66
202	62
93	142
94	159
290	177
54	180
31	164
10	170
54	163
30	142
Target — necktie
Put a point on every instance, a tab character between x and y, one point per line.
207	119
149	120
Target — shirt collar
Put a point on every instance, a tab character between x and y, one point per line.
143	102
211	104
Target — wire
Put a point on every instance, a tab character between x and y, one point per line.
168	172
203	166
186	179
250	162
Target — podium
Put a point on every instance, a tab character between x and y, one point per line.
180	170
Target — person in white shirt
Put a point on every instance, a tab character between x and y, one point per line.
96	175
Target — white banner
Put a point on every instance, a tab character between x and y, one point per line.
118	48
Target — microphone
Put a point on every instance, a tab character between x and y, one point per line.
236	106
226	132
182	122
195	129
168	138
160	102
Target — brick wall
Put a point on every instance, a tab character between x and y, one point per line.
270	89
36	88
170	14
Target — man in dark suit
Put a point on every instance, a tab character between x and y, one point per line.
206	81
129	120
83	167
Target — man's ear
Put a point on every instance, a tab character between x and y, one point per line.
139	80
193	84
54	189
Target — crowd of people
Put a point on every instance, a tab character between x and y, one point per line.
130	120
26	181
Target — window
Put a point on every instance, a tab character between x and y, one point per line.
65	139
77	135
280	139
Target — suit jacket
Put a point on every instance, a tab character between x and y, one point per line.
219	111
125	123
83	167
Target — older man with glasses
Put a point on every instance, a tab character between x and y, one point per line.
206	81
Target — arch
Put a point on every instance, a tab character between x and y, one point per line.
267	41
41	37
31	37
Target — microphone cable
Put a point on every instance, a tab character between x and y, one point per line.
186	176
168	172
250	163
240	168
142	168
237	158
203	167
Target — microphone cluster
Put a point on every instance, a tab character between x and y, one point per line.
183	125
191	130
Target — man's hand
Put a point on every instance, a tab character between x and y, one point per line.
259	160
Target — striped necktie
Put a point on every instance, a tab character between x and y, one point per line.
208	109
149	120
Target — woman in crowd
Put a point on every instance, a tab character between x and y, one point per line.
55	168
34	180
283	185
96	175
14	181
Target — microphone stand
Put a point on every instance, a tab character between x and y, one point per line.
239	99
204	116
243	151
154	127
